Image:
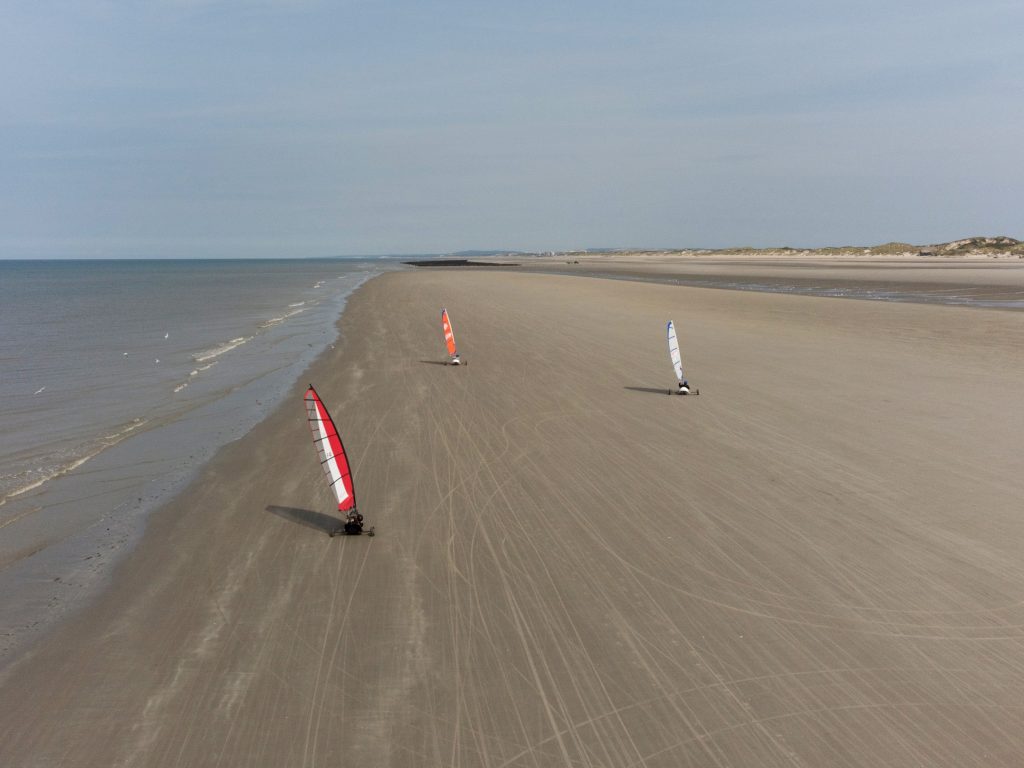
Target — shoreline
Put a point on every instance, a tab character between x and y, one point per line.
70	532
781	529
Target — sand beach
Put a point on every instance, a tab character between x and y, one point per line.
819	561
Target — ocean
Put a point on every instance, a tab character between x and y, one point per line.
119	379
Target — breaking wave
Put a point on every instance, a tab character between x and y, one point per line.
29	479
215	352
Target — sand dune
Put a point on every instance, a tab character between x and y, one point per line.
817	562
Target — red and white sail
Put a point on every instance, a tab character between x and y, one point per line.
449	335
332	452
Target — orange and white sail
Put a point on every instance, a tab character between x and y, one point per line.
449	335
332	452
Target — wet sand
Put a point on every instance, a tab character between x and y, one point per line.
976	281
819	561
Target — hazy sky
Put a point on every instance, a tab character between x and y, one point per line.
305	128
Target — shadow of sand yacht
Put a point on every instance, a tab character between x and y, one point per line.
318	521
650	390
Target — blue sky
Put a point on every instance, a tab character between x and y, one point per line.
198	128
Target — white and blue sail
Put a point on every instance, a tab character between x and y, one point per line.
673	352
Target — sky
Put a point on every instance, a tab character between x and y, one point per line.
299	128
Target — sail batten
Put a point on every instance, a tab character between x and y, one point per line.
331	451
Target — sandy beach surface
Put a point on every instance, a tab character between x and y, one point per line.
819	561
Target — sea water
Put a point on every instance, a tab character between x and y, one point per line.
117	380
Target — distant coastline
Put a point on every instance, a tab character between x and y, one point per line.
992	247
981	273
